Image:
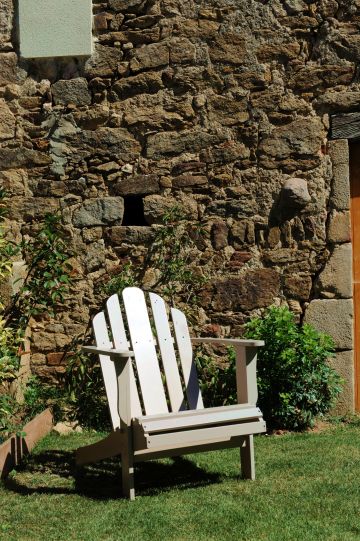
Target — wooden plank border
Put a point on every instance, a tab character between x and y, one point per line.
16	447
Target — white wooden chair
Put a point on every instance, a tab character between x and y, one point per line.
139	402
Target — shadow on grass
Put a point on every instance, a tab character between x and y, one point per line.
102	481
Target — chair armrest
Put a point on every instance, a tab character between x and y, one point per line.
236	342
111	352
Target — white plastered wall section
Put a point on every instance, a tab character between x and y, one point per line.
53	28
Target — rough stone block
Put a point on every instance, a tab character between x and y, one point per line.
336	278
172	143
147	82
149	56
339	229
219	235
49	28
298	286
104	62
255	289
137	185
8	69
334	317
6	19
130	234
344	365
155	207
7	122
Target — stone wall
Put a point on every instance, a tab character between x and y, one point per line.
221	107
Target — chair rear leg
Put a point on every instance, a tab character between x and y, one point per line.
247	458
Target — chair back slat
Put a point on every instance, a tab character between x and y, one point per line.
142	343
107	367
121	342
186	357
168	356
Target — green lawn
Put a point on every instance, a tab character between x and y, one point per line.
307	488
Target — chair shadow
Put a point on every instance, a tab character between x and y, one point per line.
102	481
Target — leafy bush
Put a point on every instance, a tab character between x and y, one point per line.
217	380
43	288
295	380
86	392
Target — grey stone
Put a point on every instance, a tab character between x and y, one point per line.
95	256
340	193
74	91
336	278
109	210
339	151
343	363
295	193
334	317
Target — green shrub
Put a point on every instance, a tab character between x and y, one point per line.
86	392
295	380
217	380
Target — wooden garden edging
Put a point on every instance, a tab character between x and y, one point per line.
16	447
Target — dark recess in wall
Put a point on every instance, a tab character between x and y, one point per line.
134	211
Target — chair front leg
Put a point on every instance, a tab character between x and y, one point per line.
247	458
127	466
127	448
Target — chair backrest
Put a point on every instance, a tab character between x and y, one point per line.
159	358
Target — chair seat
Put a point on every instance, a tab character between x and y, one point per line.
188	419
184	427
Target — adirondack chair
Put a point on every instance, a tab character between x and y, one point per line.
143	426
